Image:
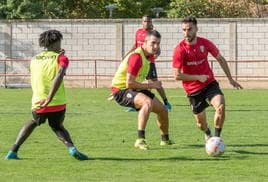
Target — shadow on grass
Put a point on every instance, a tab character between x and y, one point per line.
221	158
250	153
171	159
231	145
241	110
248	145
239	146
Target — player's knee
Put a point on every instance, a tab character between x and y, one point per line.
199	125
148	104
220	109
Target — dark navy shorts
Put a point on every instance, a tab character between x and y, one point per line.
54	118
199	100
126	97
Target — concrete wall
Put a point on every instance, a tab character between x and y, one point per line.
238	40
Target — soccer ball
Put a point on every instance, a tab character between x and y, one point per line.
215	146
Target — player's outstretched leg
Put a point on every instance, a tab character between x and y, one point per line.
201	122
24	133
162	122
65	137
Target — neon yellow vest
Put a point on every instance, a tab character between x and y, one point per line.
44	67
119	80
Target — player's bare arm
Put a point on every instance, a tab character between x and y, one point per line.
225	67
178	75
160	90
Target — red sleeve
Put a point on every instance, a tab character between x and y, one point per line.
63	61
136	38
214	51
134	64
177	61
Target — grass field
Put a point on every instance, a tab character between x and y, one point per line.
102	129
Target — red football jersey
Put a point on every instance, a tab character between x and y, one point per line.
193	60
140	37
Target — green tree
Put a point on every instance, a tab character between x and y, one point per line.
30	9
217	8
135	9
33	9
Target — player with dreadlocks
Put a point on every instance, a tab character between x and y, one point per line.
48	99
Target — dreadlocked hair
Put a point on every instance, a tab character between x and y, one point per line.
49	37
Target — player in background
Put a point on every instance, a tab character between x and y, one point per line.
139	40
129	89
190	65
140	33
48	99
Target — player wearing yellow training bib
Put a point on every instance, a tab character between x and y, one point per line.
48	99
130	90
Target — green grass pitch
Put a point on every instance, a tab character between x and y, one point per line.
101	129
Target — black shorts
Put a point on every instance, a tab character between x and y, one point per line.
199	100
126	97
54	118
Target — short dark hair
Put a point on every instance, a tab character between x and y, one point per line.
154	33
146	16
189	19
49	37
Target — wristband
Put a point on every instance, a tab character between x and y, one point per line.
165	101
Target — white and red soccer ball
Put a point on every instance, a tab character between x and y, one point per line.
215	146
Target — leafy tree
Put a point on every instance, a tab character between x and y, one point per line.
30	9
136	9
33	9
216	8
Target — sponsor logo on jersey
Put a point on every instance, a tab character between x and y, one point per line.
202	48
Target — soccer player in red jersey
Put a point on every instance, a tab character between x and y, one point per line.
141	32
129	89
190	65
139	40
48	99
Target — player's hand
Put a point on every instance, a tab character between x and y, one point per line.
203	78
43	102
168	106
235	84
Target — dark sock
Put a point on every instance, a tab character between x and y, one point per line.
165	137
15	148
141	134
218	132
208	132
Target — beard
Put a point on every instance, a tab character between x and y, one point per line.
190	39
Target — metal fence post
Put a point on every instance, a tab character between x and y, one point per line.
95	73
5	72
